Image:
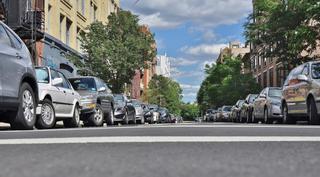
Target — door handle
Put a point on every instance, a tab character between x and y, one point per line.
18	56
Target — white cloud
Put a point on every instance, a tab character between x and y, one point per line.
171	13
189	87
204	49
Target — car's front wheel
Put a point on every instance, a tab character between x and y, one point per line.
313	113
47	118
75	120
110	118
96	119
25	118
126	118
267	120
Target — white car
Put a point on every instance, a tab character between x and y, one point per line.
57	100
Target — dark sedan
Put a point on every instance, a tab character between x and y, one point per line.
124	110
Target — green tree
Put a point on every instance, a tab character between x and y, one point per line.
288	29
224	85
116	50
189	112
165	92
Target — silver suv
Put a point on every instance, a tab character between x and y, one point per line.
301	94
18	85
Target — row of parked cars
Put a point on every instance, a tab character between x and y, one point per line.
297	100
40	96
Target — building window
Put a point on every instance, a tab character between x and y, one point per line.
68	31
78	39
265	79
95	10
271	77
61	27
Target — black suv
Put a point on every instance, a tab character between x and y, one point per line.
97	101
18	85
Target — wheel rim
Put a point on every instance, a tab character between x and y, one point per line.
28	106
98	116
47	114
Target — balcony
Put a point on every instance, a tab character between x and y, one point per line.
32	25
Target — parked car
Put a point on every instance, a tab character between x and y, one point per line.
165	116
267	106
235	111
57	100
124	110
224	115
18	84
218	114
209	115
151	114
139	111
96	101
247	108
301	94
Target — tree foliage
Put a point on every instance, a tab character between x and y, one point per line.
189	111
166	93
224	85
287	29
116	50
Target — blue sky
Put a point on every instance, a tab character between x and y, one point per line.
191	32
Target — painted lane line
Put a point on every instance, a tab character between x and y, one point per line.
161	139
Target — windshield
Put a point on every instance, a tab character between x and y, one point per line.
227	109
275	93
119	98
42	75
87	84
136	104
315	70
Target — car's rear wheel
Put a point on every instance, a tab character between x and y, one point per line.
47	118
313	113
96	119
25	117
126	118
74	121
287	118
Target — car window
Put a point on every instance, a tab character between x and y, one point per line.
4	38
315	70
55	75
15	41
305	70
42	75
65	83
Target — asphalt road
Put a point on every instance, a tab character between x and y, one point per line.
186	150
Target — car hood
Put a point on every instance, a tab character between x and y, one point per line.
275	99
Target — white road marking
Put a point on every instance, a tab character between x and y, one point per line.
160	139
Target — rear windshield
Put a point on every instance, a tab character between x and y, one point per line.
252	98
227	109
83	84
275	93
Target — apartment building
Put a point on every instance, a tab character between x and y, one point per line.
236	49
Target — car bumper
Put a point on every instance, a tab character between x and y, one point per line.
276	111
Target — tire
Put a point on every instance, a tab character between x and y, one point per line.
74	122
110	118
313	113
97	118
142	121
134	121
126	119
267	120
25	117
287	118
47	118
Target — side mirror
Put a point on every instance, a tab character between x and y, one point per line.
57	81
102	89
303	78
